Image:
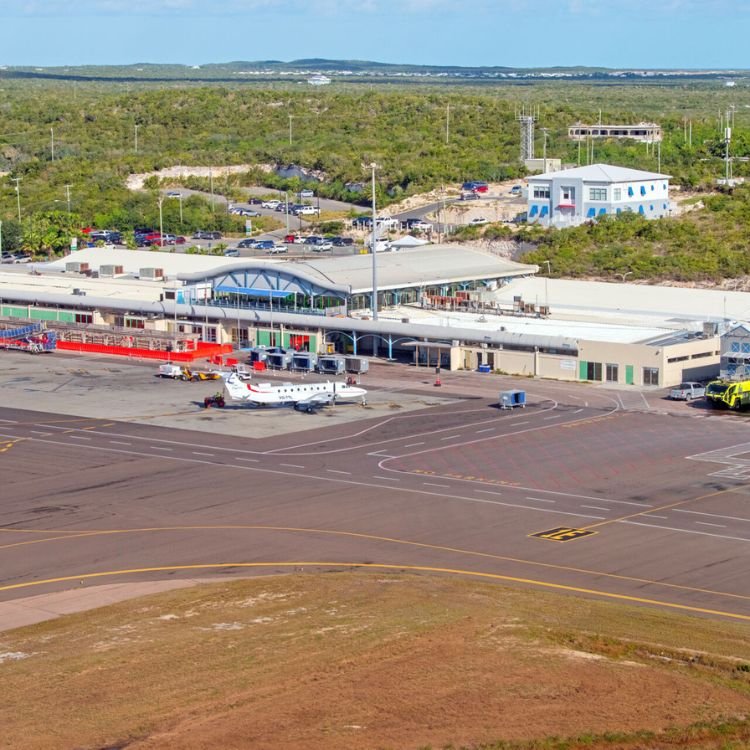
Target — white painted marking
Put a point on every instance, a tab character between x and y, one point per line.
489	429
686	531
451	437
489	492
594	507
253	460
518	424
711	515
544	500
157	448
78	437
388	479
39	432
716	525
198	453
577	411
653	515
338	471
554	416
293	466
412	445
9	421
119	442
432	484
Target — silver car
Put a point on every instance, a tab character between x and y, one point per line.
687	392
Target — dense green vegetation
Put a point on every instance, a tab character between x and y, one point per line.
336	133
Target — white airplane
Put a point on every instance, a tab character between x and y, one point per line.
304	396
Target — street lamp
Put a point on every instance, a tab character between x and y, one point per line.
549	266
625	275
161	227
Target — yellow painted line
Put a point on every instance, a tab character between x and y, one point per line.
666	507
382	566
72	534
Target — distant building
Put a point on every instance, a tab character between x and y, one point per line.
735	353
647	132
572	196
318	80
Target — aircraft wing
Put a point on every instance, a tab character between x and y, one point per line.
314	402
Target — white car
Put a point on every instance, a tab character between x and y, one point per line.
270	204
307	193
478	221
308	211
277	250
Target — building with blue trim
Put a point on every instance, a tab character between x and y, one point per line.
572	196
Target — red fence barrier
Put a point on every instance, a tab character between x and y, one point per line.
204	351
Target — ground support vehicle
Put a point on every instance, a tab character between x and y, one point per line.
34	339
170	371
732	394
216	400
687	392
196	375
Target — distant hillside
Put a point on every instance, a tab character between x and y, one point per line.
351	70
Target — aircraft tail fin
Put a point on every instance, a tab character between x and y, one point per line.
235	387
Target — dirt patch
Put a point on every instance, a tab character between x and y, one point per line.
351	660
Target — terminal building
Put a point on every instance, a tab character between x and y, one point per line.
645	132
440	305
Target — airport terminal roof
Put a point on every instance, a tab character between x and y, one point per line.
629	304
419	266
602	173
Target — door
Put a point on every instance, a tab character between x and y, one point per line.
583	370
629	374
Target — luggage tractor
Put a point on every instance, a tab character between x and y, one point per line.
732	394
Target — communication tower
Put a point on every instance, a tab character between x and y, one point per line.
527	120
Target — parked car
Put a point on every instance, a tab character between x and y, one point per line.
232	252
263	244
239	211
312	240
475	186
174	194
249	242
255	201
293	239
362	222
307	211
322	247
469	196
277	249
270	204
206	235
687	391
422	226
478	221
342	241
306	193
516	190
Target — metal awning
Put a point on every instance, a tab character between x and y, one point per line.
253	292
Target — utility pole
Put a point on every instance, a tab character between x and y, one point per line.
373	166
211	181
136	138
52	143
161	242
545	132
18	195
67	195
291	117
447	123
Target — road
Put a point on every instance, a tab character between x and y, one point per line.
657	500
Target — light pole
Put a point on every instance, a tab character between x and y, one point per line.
286	206
549	266
291	117
544	149
136	139
67	195
161	229
373	166
18	195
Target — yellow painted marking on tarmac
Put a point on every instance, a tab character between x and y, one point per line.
666	507
373	537
562	534
382	566
6	445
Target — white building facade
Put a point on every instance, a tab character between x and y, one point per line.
572	196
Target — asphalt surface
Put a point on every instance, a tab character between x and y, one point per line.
658	493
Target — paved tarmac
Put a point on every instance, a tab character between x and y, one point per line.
650	498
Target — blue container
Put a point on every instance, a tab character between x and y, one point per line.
485	368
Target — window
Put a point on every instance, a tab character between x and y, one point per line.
85	318
135	323
598	194
567	194
616	194
630	192
643	190
593	371
650	376
612	373
541	191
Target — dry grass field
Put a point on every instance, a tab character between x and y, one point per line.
362	660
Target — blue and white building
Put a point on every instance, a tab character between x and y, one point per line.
572	196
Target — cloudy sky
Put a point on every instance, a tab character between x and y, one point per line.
525	33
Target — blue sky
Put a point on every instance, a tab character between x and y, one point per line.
523	33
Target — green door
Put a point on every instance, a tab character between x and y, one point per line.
583	370
629	374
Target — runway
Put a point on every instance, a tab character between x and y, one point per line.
574	493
